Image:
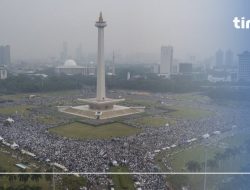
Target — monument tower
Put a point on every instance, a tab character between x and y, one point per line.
100	107
100	87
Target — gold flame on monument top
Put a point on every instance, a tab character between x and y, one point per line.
100	17
100	23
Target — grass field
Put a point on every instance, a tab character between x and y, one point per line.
154	121
122	182
19	109
197	153
138	102
191	97
50	120
189	113
84	131
13	96
7	163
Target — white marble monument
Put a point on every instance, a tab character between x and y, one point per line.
100	107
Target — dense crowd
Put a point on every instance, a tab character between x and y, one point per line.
137	152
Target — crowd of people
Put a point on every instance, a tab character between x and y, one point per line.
137	152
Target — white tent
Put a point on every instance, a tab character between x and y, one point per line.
216	132
60	166
47	160
28	153
206	136
6	143
14	146
115	163
10	120
173	146
191	140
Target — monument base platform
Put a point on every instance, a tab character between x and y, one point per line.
104	104
86	112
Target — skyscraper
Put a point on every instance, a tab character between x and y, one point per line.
229	56
64	53
3	73
5	55
219	58
79	54
113	63
244	66
185	68
166	60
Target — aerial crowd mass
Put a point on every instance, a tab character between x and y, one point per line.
137	152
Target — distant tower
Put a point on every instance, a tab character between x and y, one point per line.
64	53
79	55
128	76
3	73
100	90
244	66
166	60
229	57
219	58
5	55
113	64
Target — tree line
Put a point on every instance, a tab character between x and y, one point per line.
22	181
29	84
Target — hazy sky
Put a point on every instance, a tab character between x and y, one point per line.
37	28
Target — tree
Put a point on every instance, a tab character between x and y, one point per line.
178	181
193	166
35	177
212	164
11	179
218	157
49	177
72	182
23	177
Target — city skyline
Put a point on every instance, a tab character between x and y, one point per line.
124	95
38	32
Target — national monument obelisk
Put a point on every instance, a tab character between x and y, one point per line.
101	87
100	107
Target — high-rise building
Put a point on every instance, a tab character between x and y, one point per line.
229	57
166	60
79	54
3	73
5	55
128	76
185	68
64	53
113	64
244	66
219	58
